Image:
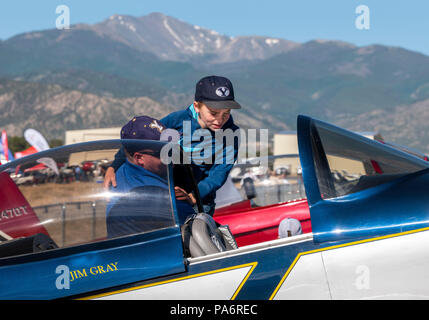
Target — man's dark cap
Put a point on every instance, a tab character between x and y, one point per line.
143	127
216	92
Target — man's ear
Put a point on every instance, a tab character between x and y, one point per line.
138	159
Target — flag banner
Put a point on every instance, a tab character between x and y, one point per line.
36	139
4	144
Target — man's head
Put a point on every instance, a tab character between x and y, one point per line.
214	99
144	128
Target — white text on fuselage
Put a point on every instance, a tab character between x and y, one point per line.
14	212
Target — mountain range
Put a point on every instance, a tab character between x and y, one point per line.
100	75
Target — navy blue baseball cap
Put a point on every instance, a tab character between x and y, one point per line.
216	92
142	127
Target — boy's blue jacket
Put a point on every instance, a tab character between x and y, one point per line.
221	155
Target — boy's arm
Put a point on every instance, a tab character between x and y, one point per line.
120	158
110	177
218	173
216	179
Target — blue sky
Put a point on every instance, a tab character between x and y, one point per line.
396	23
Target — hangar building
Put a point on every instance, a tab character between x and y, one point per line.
77	136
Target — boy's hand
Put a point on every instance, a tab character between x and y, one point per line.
109	177
183	195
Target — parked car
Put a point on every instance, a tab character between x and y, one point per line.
23	178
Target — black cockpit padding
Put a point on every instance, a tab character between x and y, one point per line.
35	243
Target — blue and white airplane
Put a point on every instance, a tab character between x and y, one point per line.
369	208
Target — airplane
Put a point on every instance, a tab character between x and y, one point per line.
367	241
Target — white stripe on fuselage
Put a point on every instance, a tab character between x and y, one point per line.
392	267
222	284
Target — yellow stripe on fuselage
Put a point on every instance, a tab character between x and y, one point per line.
252	265
336	247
